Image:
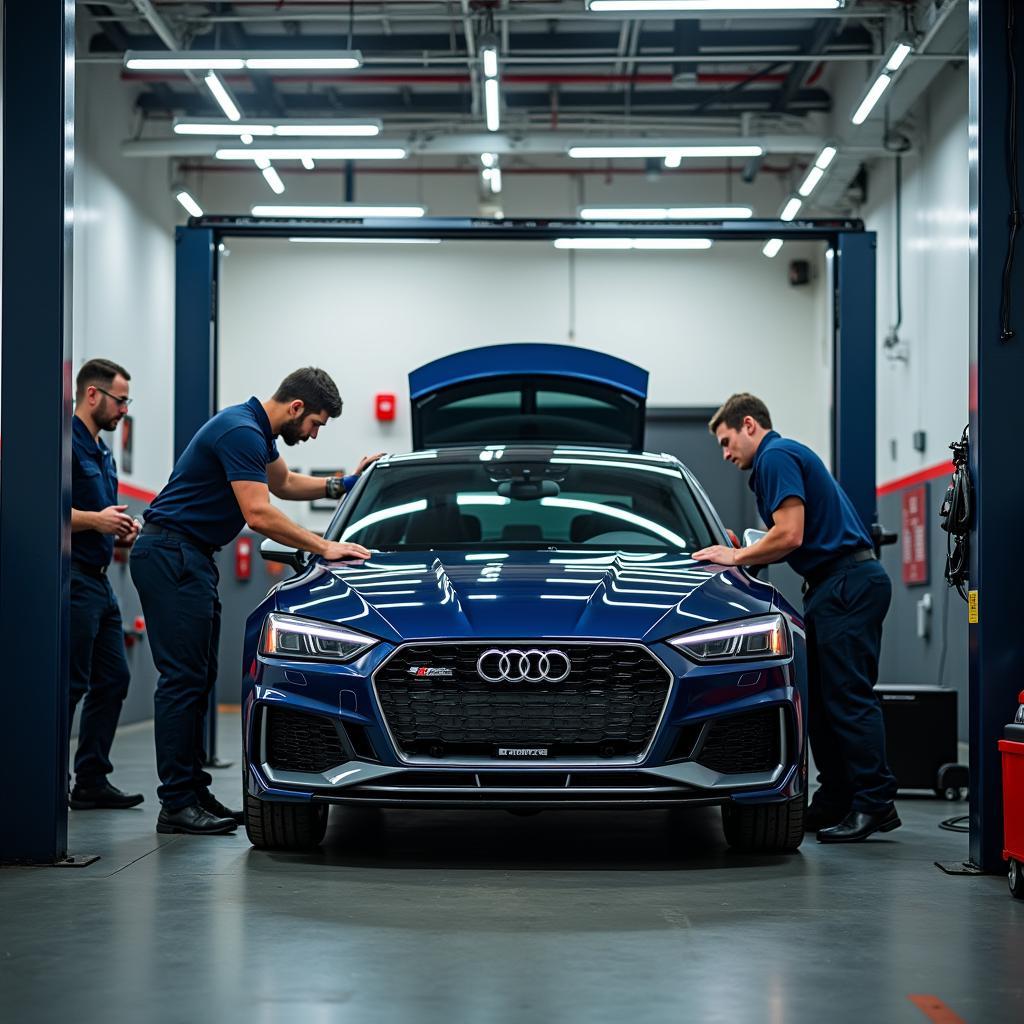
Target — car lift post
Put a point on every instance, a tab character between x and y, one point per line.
35	472
996	371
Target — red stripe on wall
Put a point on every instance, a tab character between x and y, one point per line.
943	469
138	493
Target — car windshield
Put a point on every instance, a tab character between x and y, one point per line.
630	502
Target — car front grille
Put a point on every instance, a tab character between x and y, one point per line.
297	742
608	706
745	742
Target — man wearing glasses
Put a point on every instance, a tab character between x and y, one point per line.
99	671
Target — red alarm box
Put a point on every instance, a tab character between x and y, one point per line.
243	558
384	405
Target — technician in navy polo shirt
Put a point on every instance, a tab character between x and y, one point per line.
222	481
814	527
99	671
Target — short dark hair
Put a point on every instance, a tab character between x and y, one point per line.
98	373
737	408
313	388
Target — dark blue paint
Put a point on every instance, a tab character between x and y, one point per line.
854	388
35	472
996	368
517	360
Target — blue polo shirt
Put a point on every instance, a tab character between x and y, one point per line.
93	488
237	444
787	469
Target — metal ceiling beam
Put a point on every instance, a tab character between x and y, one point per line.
678	101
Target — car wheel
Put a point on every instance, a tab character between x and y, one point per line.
272	826
765	828
1015	877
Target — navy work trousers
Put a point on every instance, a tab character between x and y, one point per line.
99	674
178	586
843	615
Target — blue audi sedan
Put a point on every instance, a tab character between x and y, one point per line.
531	631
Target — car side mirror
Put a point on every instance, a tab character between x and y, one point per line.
752	536
272	551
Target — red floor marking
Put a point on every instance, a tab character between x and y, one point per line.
936	1010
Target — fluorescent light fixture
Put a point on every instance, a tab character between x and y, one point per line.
492	175
723	7
365	153
237	60
645	152
825	157
306	129
626	244
791	209
900	52
246	139
772	247
273	179
186	200
223	98
307	162
262	163
489	159
370	241
492	104
808	185
673	159
490	59
179	62
666	213
874	94
339	212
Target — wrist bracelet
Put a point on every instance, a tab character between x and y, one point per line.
335	487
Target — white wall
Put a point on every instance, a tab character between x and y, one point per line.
704	324
927	391
124	266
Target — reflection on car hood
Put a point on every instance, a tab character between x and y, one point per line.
414	595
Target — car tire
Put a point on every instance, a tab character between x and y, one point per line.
765	828
273	826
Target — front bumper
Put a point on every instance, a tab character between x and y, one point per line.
699	751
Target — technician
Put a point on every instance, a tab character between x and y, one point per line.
222	481
99	671
814	527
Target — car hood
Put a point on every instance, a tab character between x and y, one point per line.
414	595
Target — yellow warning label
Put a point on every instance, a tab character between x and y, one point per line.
972	607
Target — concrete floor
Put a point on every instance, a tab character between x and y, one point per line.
480	916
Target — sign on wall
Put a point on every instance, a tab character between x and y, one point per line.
915	536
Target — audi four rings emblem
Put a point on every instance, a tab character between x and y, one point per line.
515	666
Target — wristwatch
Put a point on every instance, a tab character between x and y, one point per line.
335	487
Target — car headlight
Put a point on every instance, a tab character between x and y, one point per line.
288	636
757	639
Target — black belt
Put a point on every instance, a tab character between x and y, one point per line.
97	571
207	549
829	568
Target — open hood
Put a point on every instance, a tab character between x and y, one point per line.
528	393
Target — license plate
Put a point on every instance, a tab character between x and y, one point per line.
522	751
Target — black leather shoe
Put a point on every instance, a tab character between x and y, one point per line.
817	818
210	803
194	821
106	795
858	825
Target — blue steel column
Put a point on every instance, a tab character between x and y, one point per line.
996	370
195	364
854	387
35	395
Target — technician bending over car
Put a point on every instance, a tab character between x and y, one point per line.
222	482
815	528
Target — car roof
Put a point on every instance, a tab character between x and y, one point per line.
472	453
